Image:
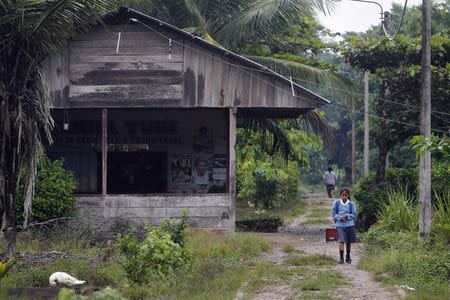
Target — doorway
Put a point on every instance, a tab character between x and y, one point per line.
137	172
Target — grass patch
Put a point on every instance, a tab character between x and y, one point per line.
319	213
235	246
316	221
306	282
286	210
321	281
404	258
96	275
310	260
290	249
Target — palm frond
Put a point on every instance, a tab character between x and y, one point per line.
323	82
271	137
263	17
274	139
313	121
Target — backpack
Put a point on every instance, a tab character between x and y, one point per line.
336	207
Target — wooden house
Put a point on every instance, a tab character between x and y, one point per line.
146	119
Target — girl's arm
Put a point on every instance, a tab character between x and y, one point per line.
352	214
334	212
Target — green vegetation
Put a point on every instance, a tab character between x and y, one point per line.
308	276
371	197
54	189
397	255
156	257
218	265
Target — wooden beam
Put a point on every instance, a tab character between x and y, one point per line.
104	149
232	166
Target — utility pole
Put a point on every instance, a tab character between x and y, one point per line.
353	144
425	124
366	123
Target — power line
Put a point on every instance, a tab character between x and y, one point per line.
264	68
274	86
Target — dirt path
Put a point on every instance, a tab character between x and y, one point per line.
307	233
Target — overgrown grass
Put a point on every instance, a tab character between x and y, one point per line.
233	246
220	264
316	221
399	212
320	213
308	276
310	260
285	210
397	255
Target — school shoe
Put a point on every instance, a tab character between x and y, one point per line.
341	261
348	260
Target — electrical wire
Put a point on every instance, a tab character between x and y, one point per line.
308	100
263	71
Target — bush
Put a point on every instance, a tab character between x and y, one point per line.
53	197
178	234
441	219
157	256
370	196
268	186
404	258
399	213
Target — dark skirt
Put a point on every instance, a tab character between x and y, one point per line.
346	234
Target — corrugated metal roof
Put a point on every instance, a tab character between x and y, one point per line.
143	17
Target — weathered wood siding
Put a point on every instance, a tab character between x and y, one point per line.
205	211
129	66
125	65
215	79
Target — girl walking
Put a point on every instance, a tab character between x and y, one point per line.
343	212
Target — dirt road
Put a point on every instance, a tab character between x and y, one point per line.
306	233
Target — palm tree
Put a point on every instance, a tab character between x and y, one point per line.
232	23
30	31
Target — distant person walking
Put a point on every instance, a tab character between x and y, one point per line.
329	179
343	212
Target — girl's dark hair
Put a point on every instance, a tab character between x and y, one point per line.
345	190
330	169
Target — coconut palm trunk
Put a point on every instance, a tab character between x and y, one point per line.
30	31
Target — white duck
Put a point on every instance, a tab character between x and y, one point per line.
61	279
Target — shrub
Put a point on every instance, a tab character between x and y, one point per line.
441	219
404	258
53	197
370	196
440	176
178	233
399	212
156	257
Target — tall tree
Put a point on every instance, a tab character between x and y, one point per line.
30	31
396	64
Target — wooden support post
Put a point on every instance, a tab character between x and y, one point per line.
425	124
232	166
366	123
104	149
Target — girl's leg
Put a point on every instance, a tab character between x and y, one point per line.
347	257
341	252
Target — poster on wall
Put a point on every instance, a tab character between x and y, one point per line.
202	169
203	140
181	169
219	170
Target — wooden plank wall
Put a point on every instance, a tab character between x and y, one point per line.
205	211
55	70
136	71
215	79
133	70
